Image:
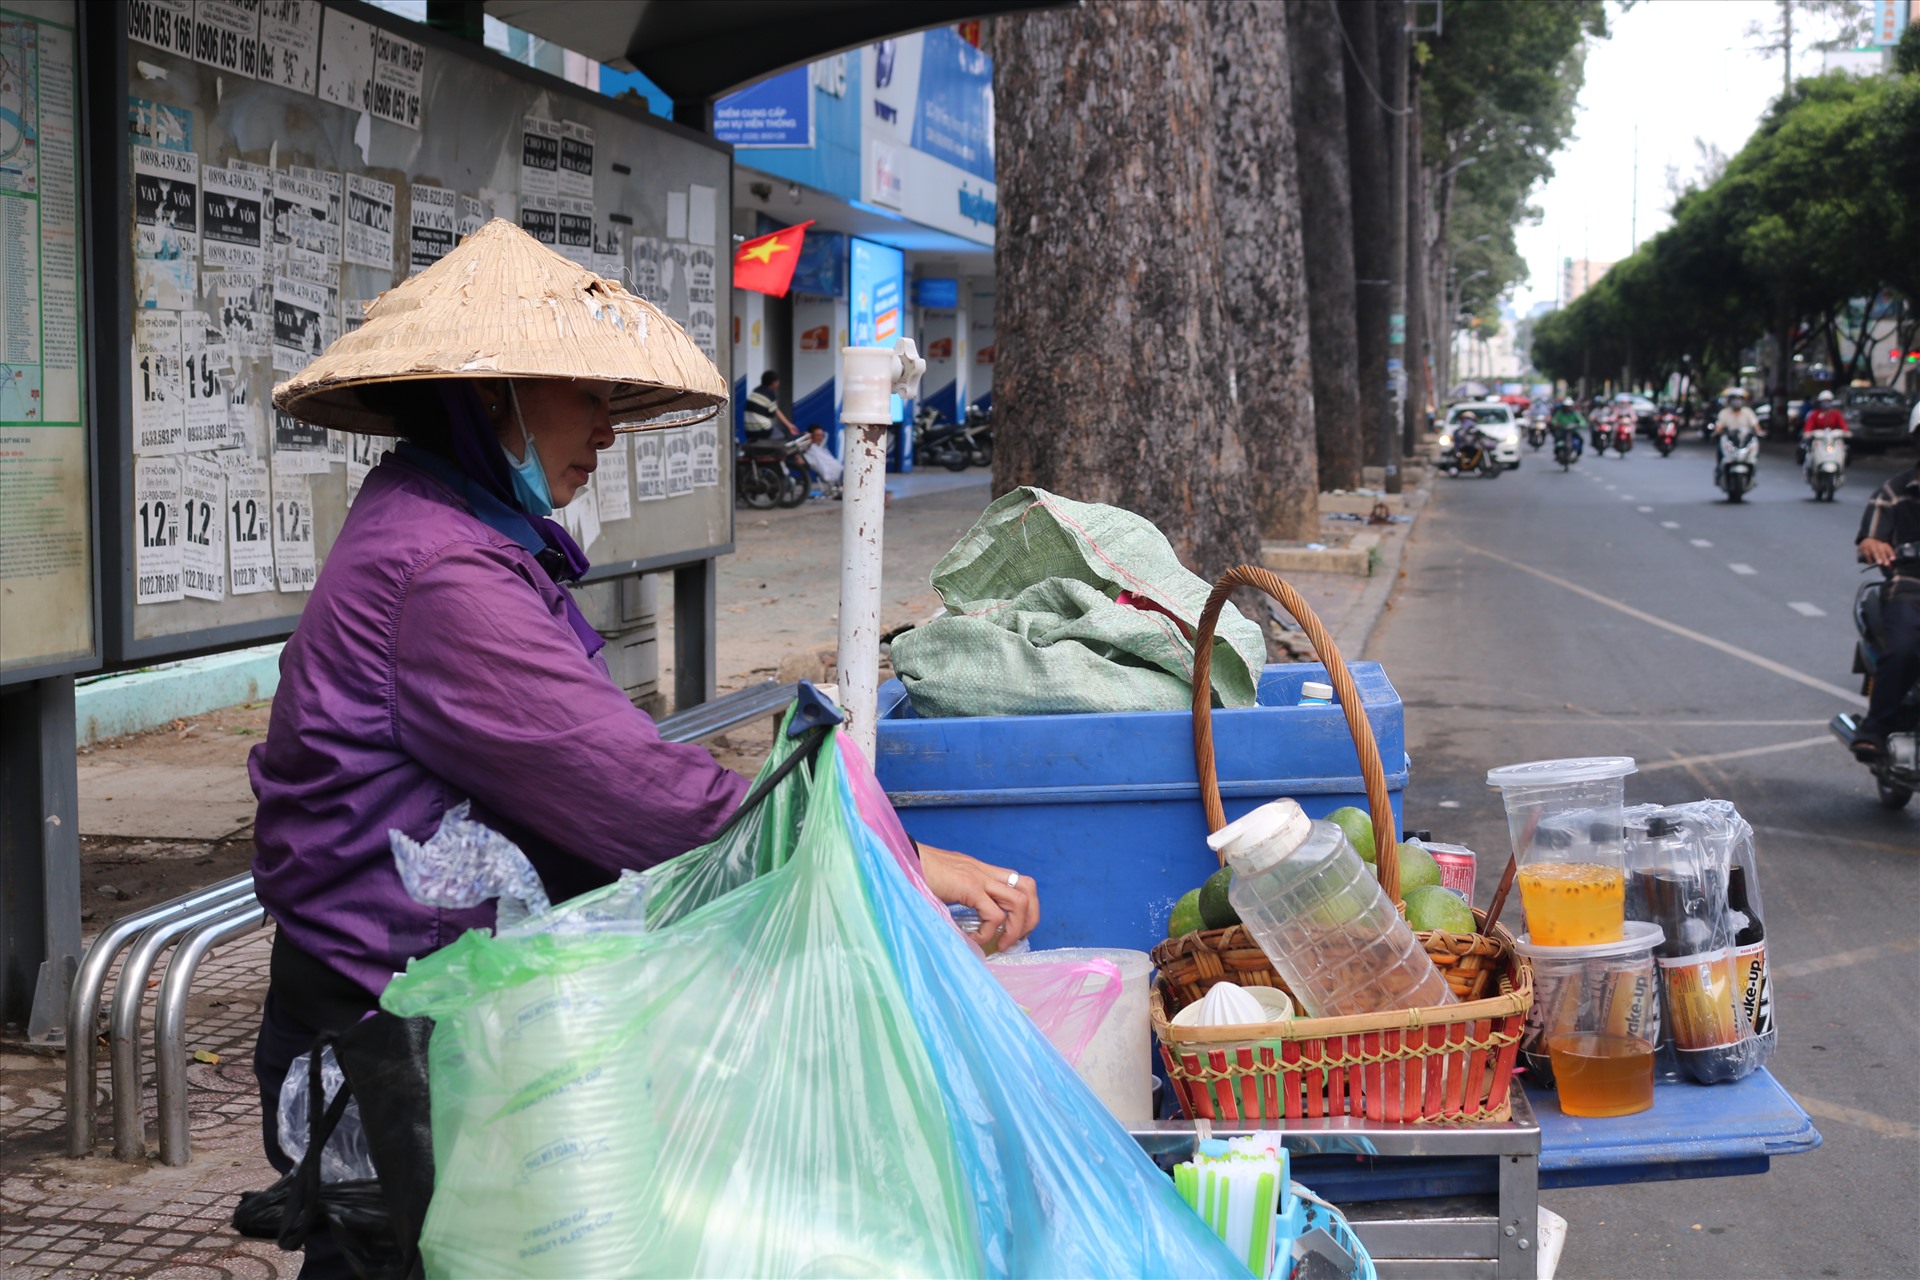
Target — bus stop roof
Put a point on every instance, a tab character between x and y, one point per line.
699	51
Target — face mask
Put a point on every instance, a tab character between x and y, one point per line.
529	477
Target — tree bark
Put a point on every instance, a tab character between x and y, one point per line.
1367	160
1114	381
1263	265
1418	379
1326	207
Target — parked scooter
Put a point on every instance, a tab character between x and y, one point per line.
1737	471
1467	448
1897	772
953	445
1623	434
1826	462
769	473
1666	431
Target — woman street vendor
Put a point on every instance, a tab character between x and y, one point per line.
441	657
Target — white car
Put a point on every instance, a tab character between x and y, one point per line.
1496	421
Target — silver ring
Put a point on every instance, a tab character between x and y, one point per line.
1013	879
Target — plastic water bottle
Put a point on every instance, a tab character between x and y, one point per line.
1318	912
1315	694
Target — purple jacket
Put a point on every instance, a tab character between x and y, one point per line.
435	663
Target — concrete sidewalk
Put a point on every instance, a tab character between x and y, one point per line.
167	810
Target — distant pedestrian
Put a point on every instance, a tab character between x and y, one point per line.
763	409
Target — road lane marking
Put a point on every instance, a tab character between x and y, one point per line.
1669	524
1744	570
1684	762
1699	542
1780	669
1610	488
1829	838
1844	959
1806	610
1626	497
1860	1119
1646	511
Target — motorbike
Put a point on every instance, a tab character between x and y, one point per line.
1466	449
1602	435
1623	434
1826	462
1736	473
1566	447
953	445
1897	772
771	473
1536	434
1666	432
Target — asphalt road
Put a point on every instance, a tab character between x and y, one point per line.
1500	658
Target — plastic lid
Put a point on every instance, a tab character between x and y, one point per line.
1257	840
1554	773
1314	689
1635	937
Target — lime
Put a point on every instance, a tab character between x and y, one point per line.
1417	867
1432	907
1186	914
1359	829
1215	910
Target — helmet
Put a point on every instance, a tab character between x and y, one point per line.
1468	416
1825	397
1733	393
1623	398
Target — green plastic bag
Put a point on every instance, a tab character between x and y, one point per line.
1058	606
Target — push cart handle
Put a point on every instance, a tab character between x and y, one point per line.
1385	834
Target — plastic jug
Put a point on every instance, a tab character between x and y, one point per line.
1318	912
1117	1063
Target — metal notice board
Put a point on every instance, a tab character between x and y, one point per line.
49	610
278	166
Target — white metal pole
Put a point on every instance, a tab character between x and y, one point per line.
863	499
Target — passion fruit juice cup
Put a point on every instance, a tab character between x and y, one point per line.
1565	818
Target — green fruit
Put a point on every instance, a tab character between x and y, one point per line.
1359	829
1432	907
1418	870
1186	915
1215	909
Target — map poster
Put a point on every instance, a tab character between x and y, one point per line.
433	215
156	531
232	224
203	533
249	534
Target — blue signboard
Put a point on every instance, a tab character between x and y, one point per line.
822	269
877	284
954	117
777	112
942	293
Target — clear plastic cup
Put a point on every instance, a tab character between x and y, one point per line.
1318	912
1595	1021
1566	819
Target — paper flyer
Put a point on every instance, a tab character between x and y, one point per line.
646	268
473	215
706	454
326	231
369	224
540	218
581	517
246	421
610	486
300	212
298	306
702	316
399	70
574	229
159	409
290	44
363	455
702	215
203	371
243	306
166	247
293	531
231	222
576	160
609	259
226	35
649	466
539	157
346	61
679	461
164	24
299	448
249	528
203	542
156	509
433	214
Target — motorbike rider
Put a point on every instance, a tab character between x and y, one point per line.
1892	520
1825	417
1736	414
1566	420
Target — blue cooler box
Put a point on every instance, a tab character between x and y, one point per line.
1103	811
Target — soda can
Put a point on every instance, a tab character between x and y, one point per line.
1456	867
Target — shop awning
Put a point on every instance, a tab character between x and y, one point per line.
699	51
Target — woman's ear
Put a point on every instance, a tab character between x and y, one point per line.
493	398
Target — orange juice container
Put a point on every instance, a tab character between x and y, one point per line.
1566	821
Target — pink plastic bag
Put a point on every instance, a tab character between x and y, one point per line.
1068	1002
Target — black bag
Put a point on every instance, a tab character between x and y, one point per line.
375	1222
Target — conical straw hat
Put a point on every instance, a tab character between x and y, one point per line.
503	305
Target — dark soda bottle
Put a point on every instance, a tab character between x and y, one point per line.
1749	955
1672	883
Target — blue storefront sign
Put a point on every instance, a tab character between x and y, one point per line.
777	112
822	269
877	284
942	293
953	120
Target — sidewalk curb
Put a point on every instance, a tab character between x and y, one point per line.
119	705
1358	629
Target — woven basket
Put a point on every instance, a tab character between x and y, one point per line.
1447	1063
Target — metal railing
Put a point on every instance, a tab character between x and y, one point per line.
194	925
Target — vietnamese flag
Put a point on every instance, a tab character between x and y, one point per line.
766	265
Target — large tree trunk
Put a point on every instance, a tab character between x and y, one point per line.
1367	161
1418	385
1263	267
1114	380
1326	207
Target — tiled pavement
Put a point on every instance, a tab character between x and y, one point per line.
99	1217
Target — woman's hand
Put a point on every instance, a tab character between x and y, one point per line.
1008	912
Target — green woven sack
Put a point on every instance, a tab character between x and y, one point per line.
1058	606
